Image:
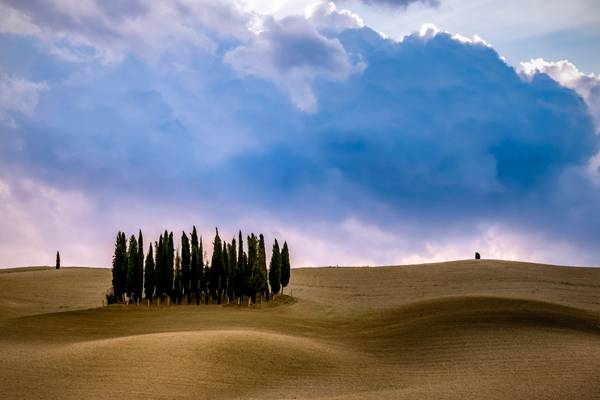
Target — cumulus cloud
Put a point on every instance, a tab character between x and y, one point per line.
418	150
586	85
18	96
428	31
293	54
421	139
567	74
325	16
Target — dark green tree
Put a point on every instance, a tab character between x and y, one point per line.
252	278
177	286
170	264
262	282
226	273
119	267
203	271
275	269
139	273
285	266
160	267
57	260
123	269
132	268
216	269
247	277
185	266
195	267
240	269
232	259
149	275
116	265
195	281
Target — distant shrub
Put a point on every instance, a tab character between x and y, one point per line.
110	296
477	256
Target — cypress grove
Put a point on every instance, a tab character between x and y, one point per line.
167	274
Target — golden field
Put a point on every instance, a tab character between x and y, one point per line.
457	330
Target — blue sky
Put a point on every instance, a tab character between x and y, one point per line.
364	132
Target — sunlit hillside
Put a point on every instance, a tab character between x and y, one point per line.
456	330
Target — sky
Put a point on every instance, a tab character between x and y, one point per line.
365	132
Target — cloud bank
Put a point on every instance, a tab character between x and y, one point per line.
355	148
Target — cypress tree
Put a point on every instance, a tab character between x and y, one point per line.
226	272
185	266
57	260
285	266
116	264
195	281
115	267
177	286
160	269
232	258
263	285
239	284
216	269
149	275
119	267
124	264
131	267
252	276
203	272
195	265
139	274
170	264
275	269
246	276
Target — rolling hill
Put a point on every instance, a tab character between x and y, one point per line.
466	329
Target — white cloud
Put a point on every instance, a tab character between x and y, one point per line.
89	30
18	95
567	74
293	54
586	85
429	30
325	16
